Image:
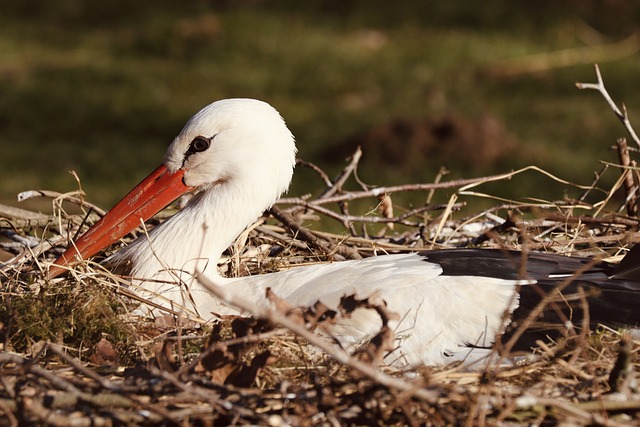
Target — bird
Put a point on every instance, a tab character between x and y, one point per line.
237	156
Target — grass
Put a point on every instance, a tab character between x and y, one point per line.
102	89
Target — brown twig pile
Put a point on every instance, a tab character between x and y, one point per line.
73	354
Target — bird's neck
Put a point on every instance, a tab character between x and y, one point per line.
195	237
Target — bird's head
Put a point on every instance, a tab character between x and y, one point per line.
234	139
239	142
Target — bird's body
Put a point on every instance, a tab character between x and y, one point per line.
240	156
412	288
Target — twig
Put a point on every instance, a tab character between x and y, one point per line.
309	237
323	176
109	385
29	366
613	405
7	408
568	408
69	197
622	115
465	184
607	220
14	213
592	240
343	176
630	189
338	182
288	221
218	345
373	219
623	367
378	191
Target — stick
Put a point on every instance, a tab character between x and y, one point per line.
12	212
574	410
109	385
622	115
310	238
372	219
344	175
630	188
69	197
323	176
465	183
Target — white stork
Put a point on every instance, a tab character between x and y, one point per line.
239	155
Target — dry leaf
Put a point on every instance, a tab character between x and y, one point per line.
229	364
386	208
105	354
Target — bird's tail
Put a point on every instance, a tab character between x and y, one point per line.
595	293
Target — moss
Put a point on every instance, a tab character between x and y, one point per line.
76	315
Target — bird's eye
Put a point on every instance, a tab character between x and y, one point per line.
199	143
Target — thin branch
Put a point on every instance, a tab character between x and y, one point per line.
346	172
14	213
373	219
630	188
463	184
108	384
310	238
622	115
323	176
68	197
577	411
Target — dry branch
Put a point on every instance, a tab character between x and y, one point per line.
68	197
310	238
630	187
13	213
622	115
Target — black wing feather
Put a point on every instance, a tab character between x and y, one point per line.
612	291
629	267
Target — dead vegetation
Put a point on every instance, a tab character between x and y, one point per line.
73	352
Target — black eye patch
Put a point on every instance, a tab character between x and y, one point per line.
199	144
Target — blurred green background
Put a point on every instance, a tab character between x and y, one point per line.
478	87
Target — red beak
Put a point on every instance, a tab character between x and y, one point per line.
155	192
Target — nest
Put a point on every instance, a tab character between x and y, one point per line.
74	354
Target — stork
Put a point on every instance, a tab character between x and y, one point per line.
238	156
